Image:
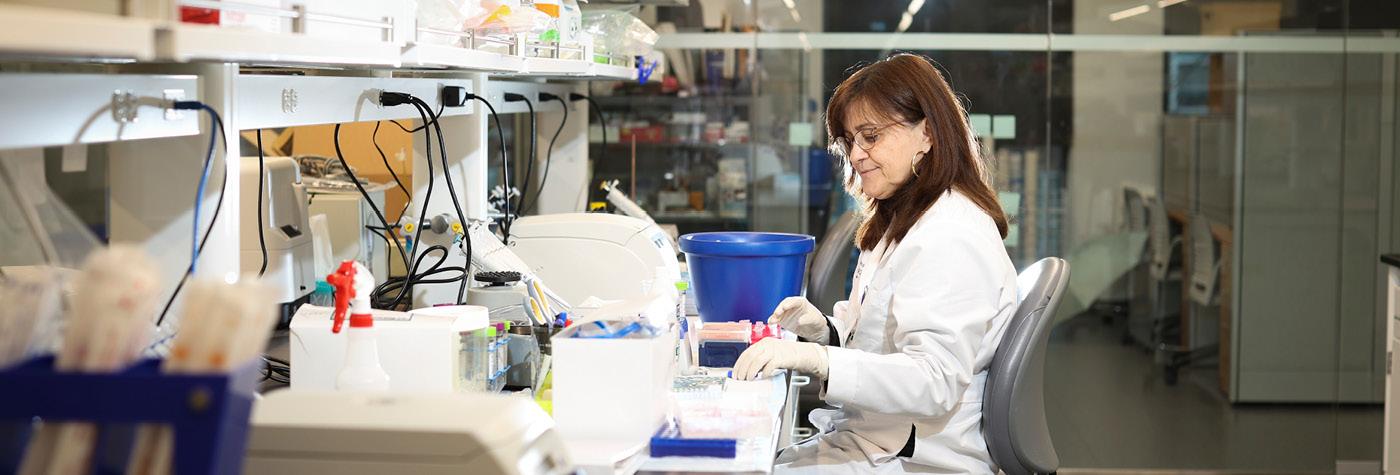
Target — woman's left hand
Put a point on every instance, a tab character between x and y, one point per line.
771	354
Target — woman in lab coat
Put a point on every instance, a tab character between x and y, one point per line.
903	360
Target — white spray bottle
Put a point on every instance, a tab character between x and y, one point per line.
362	372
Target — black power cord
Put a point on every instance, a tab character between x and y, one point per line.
262	180
426	124
530	158
374	138
404	285
424	109
602	121
365	194
216	132
549	154
408	197
505	165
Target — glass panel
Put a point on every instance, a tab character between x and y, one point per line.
1220	175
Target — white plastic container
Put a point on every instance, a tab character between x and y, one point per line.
612	389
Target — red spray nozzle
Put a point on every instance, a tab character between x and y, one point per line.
343	279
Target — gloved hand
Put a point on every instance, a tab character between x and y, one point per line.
771	354
799	316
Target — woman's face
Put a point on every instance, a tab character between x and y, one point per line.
893	146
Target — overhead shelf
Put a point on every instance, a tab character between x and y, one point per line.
60	34
51	32
555	67
184	42
63	109
610	71
441	56
272	101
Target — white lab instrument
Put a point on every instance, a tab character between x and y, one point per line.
502	289
347	215
612	389
489	254
285	229
347	434
585	255
628	207
421	350
625	204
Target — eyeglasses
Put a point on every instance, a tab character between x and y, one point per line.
866	139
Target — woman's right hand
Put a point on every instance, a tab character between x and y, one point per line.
799	316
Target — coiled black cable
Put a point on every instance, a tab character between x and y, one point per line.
424	109
340	155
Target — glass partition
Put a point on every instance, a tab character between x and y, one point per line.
1219	174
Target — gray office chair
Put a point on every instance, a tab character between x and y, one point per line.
831	263
1013	403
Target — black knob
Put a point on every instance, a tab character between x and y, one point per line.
497	277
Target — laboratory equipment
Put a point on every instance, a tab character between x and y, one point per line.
422	350
744	275
348	216
329	432
285	230
585	255
502	289
721	343
612	389
628	207
361	370
670	442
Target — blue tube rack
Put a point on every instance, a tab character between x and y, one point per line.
209	412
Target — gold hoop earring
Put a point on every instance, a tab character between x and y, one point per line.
914	164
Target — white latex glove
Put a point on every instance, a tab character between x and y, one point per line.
771	354
799	316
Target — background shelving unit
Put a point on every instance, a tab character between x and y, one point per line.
320	68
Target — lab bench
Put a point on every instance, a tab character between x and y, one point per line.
754	454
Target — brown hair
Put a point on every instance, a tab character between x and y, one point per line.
908	88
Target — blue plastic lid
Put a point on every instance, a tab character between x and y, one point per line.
750	244
323	287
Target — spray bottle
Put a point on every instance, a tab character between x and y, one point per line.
353	285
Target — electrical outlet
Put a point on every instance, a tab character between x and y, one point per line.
171	96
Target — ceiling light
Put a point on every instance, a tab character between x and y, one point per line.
1129	13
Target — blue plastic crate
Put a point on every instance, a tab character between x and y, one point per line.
209	412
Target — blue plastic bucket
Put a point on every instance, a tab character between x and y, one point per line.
743	276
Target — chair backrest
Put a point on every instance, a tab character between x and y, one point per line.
1013	403
1204	261
1159	239
826	282
1135	213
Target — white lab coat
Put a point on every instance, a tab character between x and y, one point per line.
917	335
